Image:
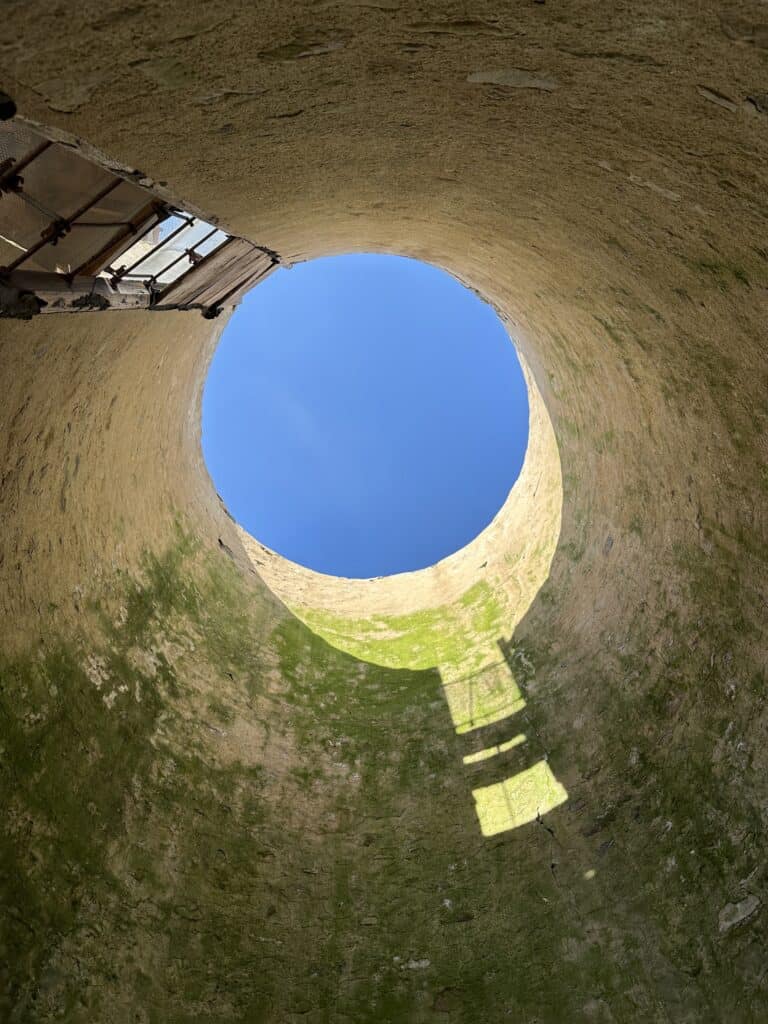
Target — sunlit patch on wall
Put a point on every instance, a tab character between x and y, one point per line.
518	800
492	698
498	748
482	698
460	616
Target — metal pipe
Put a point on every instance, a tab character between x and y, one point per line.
104	224
143	228
172	285
25	197
186	252
123	271
12	172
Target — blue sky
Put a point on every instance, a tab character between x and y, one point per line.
364	414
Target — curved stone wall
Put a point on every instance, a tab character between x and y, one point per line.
211	813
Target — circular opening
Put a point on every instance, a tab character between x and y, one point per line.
364	415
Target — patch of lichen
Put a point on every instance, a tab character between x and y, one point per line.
722	273
359	700
410	908
450	635
72	743
350	878
79	716
675	801
80	747
413	883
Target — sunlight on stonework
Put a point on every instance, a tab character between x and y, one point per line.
483	697
491	696
500	748
518	800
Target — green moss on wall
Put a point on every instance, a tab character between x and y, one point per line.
450	635
277	830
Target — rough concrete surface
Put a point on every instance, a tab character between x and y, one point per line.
532	790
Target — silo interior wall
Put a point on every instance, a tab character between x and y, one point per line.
210	813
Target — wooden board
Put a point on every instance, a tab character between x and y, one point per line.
225	275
